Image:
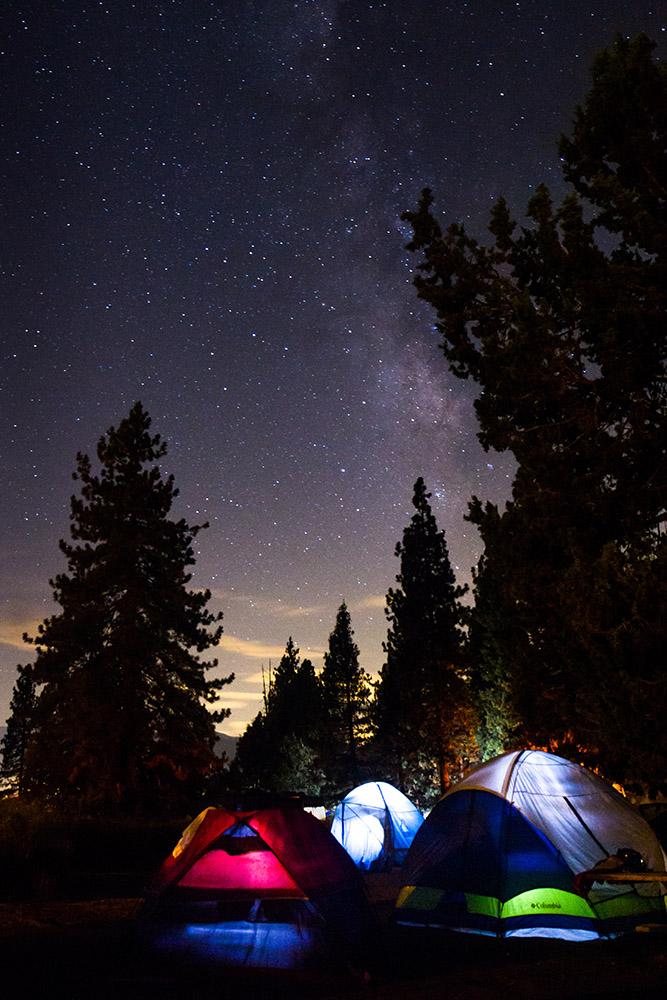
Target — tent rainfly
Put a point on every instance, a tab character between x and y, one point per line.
499	855
376	824
264	888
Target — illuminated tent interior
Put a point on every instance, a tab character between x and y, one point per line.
376	824
265	888
500	852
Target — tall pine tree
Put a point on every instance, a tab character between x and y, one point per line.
121	722
424	717
561	322
345	694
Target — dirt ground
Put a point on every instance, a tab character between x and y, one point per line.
92	949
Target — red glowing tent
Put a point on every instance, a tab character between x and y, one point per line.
267	875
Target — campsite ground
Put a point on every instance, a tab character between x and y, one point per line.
89	949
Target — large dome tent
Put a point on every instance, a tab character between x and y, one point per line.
501	852
376	823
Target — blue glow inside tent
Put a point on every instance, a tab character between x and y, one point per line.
243	943
376	824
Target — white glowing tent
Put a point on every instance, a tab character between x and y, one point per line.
376	824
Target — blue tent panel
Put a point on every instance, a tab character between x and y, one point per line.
479	843
473	863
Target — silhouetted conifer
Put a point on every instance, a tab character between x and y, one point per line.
423	708
561	322
346	696
121	722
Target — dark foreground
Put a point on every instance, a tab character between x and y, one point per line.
93	950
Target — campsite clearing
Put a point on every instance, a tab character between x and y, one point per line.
83	949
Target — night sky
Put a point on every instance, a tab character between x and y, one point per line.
201	206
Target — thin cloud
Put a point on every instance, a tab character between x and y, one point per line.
11	633
372	601
257	678
277	609
239	697
300	611
251	648
234	727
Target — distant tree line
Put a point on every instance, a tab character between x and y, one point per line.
114	717
414	726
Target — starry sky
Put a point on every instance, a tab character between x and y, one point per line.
201	203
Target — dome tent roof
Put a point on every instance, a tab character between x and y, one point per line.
376	823
596	820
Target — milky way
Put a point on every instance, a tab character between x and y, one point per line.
202	210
